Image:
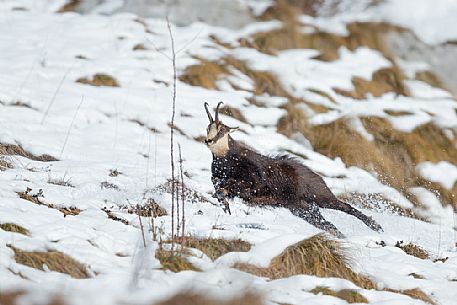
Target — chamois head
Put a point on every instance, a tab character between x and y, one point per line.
217	134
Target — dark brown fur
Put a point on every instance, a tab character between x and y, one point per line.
275	181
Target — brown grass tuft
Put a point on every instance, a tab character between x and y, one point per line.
377	202
11	297
319	255
150	209
349	295
54	260
139	47
393	154
17	150
412	249
415	293
99	79
11	227
430	78
174	261
70	6
191	298
382	81
233	112
35	198
204	74
4	164
216	247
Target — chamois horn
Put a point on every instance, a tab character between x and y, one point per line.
208	113
217	111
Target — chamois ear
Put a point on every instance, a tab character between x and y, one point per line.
232	129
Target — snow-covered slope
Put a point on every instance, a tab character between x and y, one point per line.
112	149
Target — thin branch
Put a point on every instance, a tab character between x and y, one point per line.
183	221
71	126
56	92
173	182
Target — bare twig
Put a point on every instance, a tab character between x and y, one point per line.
71	126
173	182
183	220
141	224
56	92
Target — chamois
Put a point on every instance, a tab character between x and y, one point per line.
239	171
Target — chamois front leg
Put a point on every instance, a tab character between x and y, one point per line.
221	194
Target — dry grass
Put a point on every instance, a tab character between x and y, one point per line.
216	247
233	112
11	227
150	209
191	298
54	260
319	255
415	293
430	78
348	295
99	79
17	150
35	198
112	216
189	194
174	261
4	164
70	6
412	249
139	47
377	202
382	81
393	154
205	74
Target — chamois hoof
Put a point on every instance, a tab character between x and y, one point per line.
226	209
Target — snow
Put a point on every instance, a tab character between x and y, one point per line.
41	68
442	172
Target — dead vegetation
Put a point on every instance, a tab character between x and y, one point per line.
319	256
216	247
393	155
430	78
36	199
150	209
189	194
415	293
70	6
99	79
18	150
382	81
12	227
5	164
348	295
53	260
377	202
112	216
412	249
191	298
233	112
174	261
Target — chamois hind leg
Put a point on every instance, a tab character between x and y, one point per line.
344	207
311	214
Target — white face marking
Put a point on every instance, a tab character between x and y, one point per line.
212	132
220	147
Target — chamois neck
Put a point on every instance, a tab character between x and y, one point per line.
222	147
